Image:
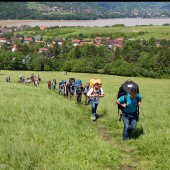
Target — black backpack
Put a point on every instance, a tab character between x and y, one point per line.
124	90
72	80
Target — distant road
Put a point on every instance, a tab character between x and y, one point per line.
90	23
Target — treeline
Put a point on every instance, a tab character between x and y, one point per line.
134	59
71	11
18	10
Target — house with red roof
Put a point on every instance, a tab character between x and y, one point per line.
75	42
43	27
3	40
28	40
119	42
42	50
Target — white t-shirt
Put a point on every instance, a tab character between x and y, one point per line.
95	99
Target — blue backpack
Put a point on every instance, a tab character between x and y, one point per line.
77	83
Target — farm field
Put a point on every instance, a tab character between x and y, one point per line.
42	130
145	32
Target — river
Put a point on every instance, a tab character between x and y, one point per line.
90	23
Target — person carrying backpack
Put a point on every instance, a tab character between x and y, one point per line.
130	112
95	93
49	84
67	89
86	89
79	91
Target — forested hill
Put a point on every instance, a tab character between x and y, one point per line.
82	10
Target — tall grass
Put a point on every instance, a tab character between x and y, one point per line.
42	130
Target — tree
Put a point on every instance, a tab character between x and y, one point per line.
152	42
80	36
57	49
117	53
146	61
77	52
25	49
38	63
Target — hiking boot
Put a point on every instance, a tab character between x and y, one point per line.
125	139
93	118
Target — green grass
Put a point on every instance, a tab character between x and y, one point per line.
42	130
158	32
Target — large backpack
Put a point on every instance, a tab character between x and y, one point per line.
124	90
72	81
93	81
77	83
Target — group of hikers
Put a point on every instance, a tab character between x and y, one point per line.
32	79
128	98
74	88
52	84
92	92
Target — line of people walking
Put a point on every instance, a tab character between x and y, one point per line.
128	98
92	92
73	88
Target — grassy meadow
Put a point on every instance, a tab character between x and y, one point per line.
158	32
42	130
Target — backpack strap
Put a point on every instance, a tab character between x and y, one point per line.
98	92
125	101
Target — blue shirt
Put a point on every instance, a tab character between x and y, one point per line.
131	104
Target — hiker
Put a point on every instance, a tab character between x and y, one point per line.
36	83
79	92
28	80
72	90
55	82
67	89
49	84
95	93
32	77
53	85
61	87
8	79
39	78
86	89
130	111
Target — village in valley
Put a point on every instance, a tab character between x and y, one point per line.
10	42
98	41
54	48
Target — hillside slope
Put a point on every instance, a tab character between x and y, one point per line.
82	10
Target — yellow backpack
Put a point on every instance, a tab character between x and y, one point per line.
94	81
